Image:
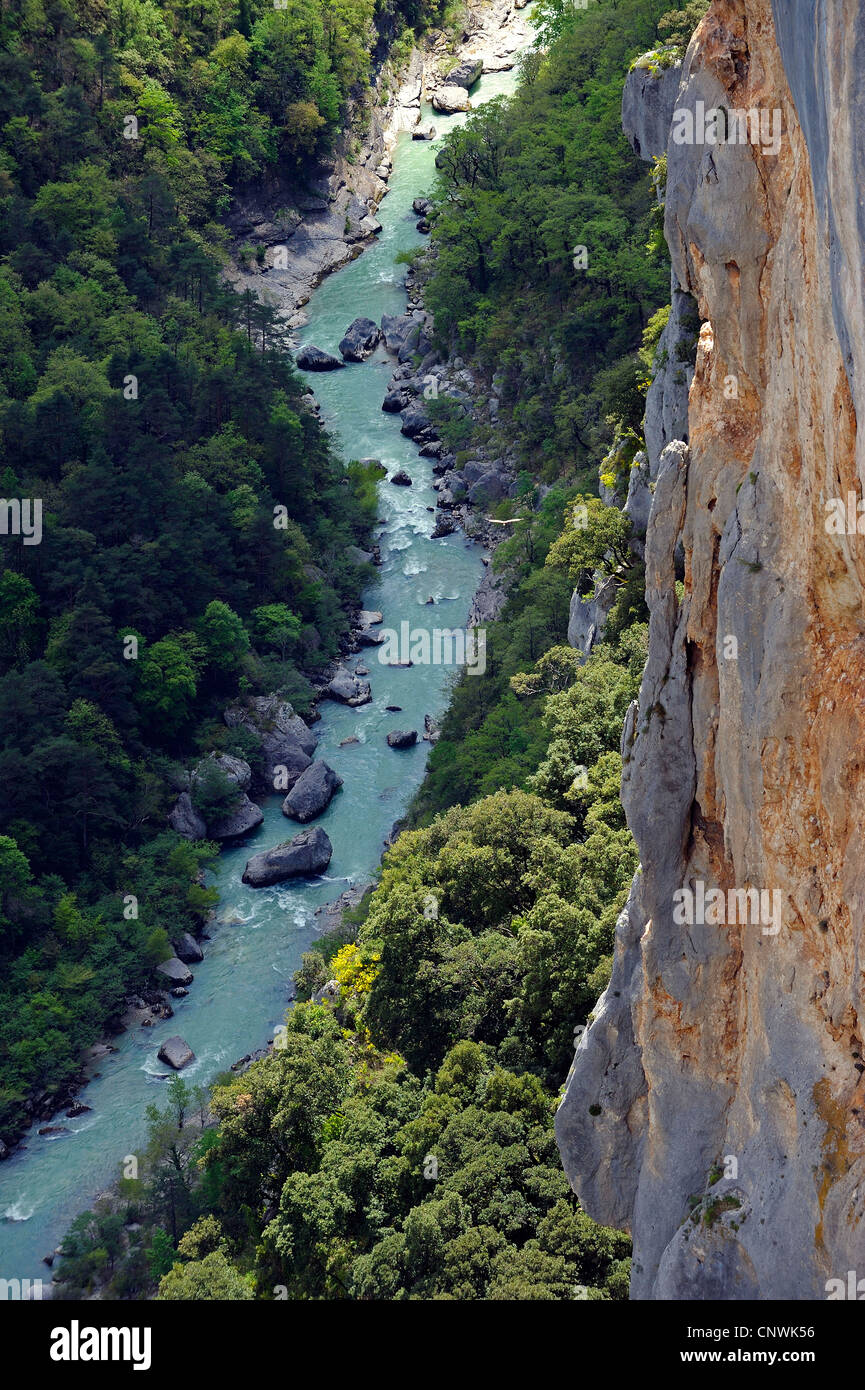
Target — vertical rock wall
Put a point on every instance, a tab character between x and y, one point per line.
716	1106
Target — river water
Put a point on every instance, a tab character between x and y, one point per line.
241	989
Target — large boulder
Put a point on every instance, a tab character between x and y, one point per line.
311	793
402	738
187	949
245	815
287	744
241	821
361	338
175	971
235	769
348	689
315	359
401	478
176	1053
307	854
449	99
466	73
185	820
396	328
414	420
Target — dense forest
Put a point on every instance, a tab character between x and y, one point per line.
397	1142
196	527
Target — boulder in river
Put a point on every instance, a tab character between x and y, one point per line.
402	738
175	971
449	99
311	793
315	359
422	206
176	1053
348	689
401	478
307	854
397	327
424	132
414	420
361	338
466	73
187	949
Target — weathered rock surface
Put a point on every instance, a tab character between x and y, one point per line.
175	971
348	688
307	854
361	338
187	949
311	793
732	1045
176	1053
451	99
185	819
286	742
402	738
315	359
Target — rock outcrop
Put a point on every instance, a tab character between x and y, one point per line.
307	854
716	1105
311	793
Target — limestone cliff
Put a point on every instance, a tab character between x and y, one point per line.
716	1106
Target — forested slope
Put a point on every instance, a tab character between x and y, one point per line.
187	497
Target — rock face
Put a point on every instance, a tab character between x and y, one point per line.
450	99
736	1049
315	359
348	689
187	949
308	853
185	819
287	744
361	338
311	793
402	738
465	74
176	1053
175	971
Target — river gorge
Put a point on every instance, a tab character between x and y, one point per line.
242	987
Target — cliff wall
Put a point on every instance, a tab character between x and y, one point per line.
716	1106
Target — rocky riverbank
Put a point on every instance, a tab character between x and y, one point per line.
287	236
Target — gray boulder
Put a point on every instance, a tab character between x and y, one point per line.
185	820
396	328
424	132
187	949
315	359
401	478
402	738
243	819
414	420
311	793
175	971
466	73
348	689
307	854
361	338
396	401
449	99
176	1053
